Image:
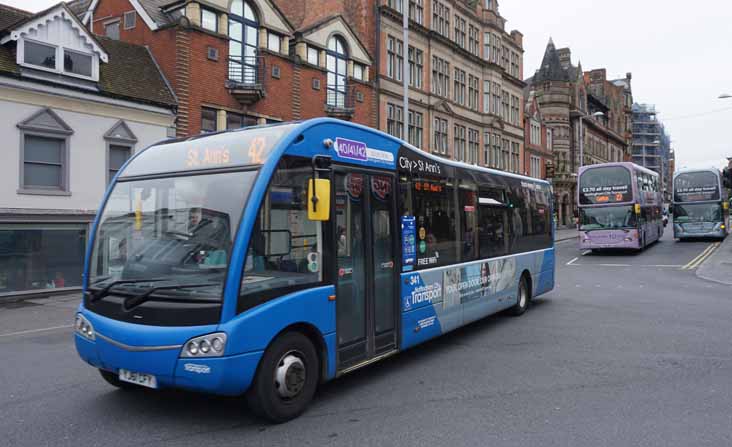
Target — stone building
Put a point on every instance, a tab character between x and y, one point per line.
589	117
538	155
235	63
465	80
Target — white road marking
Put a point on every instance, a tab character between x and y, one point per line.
586	252
32	331
572	261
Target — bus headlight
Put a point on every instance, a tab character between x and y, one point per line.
211	345
83	327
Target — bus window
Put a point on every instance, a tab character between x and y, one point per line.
468	198
284	242
433	205
492	225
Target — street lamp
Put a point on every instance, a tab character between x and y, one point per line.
582	136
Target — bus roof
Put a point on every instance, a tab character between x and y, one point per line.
254	145
691	170
626	164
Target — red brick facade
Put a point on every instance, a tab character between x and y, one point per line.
182	49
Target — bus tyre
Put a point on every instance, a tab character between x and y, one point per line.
286	378
112	379
524	295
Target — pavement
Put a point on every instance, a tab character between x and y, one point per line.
563	234
718	265
628	349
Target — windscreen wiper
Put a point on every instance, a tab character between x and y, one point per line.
134	301
101	293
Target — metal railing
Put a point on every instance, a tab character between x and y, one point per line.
340	97
247	71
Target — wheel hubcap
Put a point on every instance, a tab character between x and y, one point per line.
522	296
289	377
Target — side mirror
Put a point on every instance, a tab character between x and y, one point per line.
637	208
319	199
725	205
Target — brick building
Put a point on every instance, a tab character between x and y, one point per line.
589	116
243	62
465	80
538	153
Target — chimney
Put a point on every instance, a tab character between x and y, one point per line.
565	57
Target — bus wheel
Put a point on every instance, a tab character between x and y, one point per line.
524	295
286	379
112	379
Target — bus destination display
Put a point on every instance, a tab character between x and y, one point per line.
605	194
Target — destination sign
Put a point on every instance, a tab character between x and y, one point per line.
241	148
592	195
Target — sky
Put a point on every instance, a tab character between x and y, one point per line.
678	52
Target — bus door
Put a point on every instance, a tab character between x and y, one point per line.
366	270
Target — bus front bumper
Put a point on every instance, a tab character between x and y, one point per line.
683	232
226	375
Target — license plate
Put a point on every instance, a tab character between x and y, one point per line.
142	379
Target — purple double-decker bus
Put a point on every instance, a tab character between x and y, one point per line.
620	206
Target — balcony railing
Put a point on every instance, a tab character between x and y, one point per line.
246	78
340	100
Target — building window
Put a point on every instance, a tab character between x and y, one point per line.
313	56
416	11
487	149
496	53
487	46
416	67
395	120
473	92
43	257
535	166
474	40
535	133
397	5
496	110
515	157
359	72
415	129
130	19
459	140
486	96
336	63
473	146
460	31
440	136
549	142
208	120
77	63
243	43
44	163
39	54
111	30
496	160
440	77
459	88
514	64
488	4
118	155
274	42
237	121
395	58
515	110
209	20
505	105
441	18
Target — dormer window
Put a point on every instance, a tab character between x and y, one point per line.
40	55
47	57
77	63
56	42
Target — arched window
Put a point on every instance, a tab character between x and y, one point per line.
337	63
243	42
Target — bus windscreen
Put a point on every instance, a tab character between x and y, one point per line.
696	187
610	184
